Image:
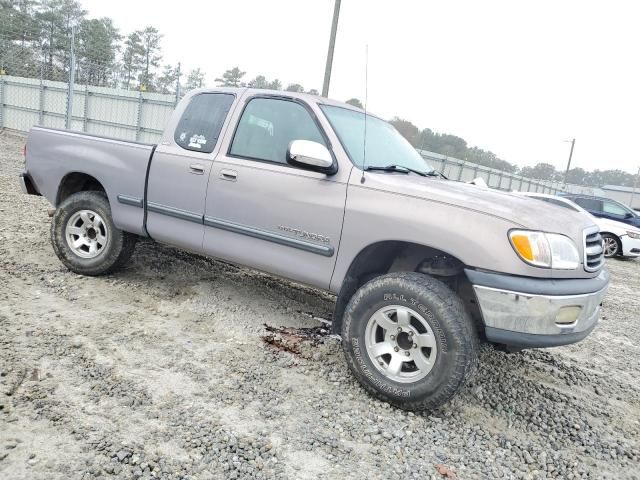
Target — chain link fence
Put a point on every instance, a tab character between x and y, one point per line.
65	90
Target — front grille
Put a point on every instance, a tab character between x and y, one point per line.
593	251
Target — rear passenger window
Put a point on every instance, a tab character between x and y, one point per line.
202	120
269	125
591	204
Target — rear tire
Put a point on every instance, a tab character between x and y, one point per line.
422	361
85	238
611	244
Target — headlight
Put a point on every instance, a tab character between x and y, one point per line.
548	250
634	235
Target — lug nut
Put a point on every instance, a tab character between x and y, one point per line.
415	345
395	349
410	333
406	353
399	329
392	337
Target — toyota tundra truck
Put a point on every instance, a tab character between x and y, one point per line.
319	192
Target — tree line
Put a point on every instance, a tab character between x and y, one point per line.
454	146
35	41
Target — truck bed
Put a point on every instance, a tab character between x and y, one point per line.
119	166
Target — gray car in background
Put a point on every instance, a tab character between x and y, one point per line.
423	268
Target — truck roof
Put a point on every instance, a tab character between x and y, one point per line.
281	93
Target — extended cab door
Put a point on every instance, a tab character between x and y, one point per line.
264	213
179	172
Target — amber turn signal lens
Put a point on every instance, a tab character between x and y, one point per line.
523	246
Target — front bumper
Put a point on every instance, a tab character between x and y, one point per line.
630	246
525	312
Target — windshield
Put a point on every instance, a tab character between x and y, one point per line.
385	146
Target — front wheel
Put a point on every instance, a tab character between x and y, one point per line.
409	341
611	245
85	238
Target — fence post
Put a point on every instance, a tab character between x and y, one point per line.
72	79
85	119
139	116
41	99
510	182
177	85
500	180
1	101
461	168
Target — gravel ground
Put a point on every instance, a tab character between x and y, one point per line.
162	371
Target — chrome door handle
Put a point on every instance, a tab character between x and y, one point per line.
196	168
227	174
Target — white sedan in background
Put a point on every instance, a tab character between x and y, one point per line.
619	238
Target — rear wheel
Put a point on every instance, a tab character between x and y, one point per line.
85	238
611	245
409	340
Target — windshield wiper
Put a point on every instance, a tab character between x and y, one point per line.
398	168
436	173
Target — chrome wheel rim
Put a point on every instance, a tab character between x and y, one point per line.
86	234
610	246
401	344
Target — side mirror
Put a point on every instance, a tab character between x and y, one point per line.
628	215
311	156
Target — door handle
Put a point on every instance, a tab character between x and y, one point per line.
227	174
196	168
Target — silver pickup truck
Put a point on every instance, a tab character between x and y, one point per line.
424	269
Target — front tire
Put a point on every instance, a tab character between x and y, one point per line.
611	244
409	340
85	238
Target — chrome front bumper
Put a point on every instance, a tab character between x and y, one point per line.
525	320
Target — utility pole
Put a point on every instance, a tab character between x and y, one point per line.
635	186
573	143
332	44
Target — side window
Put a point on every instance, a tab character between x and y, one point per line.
614	209
591	204
202	120
269	125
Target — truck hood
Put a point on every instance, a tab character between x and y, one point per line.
523	212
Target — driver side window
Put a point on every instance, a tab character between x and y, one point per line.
268	126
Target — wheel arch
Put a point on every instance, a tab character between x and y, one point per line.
74	182
388	256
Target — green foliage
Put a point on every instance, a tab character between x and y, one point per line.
195	79
231	78
151	56
35	41
97	47
355	102
132	59
449	145
295	87
168	80
259	82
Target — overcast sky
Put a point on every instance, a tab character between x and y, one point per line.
517	78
